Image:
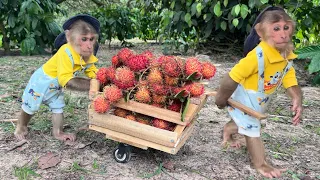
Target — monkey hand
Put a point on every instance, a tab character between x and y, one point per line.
296	95
221	102
297	111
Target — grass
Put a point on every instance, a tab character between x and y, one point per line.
25	173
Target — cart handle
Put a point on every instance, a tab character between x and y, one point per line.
235	104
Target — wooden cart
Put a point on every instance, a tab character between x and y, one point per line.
132	133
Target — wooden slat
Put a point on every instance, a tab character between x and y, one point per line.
141	143
161	113
240	106
179	129
194	109
133	128
113	135
153	111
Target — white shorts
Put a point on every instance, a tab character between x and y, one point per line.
42	88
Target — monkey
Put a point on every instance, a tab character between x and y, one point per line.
252	79
60	72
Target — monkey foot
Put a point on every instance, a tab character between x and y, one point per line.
231	143
269	171
21	133
65	137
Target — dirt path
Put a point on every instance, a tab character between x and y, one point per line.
295	147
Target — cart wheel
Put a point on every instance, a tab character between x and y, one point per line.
122	153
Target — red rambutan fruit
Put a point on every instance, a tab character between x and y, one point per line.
124	77
193	65
195	89
102	75
155	76
120	112
171	67
112	93
137	62
124	54
159	89
143	95
110	73
171	81
158	99
131	117
175	106
115	61
100	104
162	124
208	70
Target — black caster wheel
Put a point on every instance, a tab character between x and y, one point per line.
122	153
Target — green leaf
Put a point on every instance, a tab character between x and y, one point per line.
264	1
176	17
199	8
225	3
194	9
235	22
223	25
192	77
11	20
187	18
208	29
244	11
28	45
314	65
251	3
172	4
217	9
180	95
207	17
184	112
237	9
308	52
312	52
34	23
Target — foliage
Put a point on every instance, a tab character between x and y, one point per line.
187	23
313	53
147	24
116	21
29	23
192	22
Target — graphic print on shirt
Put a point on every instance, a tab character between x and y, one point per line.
52	87
274	81
263	101
34	94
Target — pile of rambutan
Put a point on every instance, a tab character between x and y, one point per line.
165	81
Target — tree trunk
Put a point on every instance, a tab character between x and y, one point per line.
5	39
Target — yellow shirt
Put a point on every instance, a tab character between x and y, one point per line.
60	65
246	71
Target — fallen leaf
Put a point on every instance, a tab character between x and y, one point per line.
48	160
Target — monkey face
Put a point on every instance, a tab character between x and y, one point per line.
85	44
279	34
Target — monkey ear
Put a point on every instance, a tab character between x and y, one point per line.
68	35
258	28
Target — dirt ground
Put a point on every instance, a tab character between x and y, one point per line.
296	148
